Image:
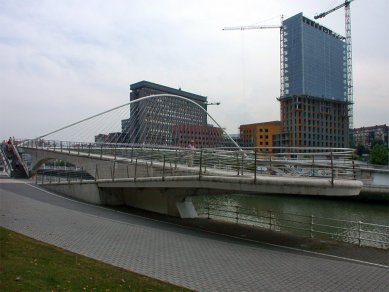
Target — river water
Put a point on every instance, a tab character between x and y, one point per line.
325	207
345	209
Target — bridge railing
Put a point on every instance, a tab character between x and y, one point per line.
119	161
5	161
356	232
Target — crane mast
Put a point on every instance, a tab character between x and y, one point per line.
350	99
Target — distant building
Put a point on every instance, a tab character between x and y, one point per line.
146	88
314	60
259	134
153	121
200	136
314	108
165	120
314	122
108	138
365	136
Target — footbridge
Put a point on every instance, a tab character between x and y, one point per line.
149	165
159	178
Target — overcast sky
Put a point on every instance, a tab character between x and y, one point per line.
61	61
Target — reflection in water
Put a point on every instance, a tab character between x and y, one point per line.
377	213
320	207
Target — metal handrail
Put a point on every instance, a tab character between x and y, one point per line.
16	152
243	162
7	165
273	221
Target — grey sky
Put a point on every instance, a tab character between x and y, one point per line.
62	61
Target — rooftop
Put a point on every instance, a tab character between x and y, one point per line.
168	90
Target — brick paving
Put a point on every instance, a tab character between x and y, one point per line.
185	257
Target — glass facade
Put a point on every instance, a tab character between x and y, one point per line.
314	60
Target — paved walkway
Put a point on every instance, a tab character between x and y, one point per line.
189	258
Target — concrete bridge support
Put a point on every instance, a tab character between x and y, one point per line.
164	201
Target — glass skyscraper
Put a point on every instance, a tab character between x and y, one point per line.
314	60
313	101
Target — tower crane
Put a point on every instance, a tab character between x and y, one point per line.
280	27
350	99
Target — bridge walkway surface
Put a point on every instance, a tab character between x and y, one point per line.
189	257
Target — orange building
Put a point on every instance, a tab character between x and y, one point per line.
259	134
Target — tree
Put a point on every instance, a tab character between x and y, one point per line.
377	141
360	150
378	154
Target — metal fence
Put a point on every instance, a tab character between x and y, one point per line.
249	162
356	232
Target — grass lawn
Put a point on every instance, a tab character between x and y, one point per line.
30	265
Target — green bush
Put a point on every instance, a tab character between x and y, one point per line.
378	154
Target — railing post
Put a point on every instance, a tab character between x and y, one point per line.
61	145
114	151
237	214
114	170
354	174
208	211
313	165
132	152
78	152
270	219
128	171
89	148
163	168
96	173
255	165
270	161
175	160
359	233
81	175
332	169
241	163
205	163
136	168
237	163
151	157
101	151
311	229
201	161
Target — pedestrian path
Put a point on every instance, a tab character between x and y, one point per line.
189	258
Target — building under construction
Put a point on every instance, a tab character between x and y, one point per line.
314	94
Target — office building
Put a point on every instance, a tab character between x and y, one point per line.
259	134
314	108
200	136
165	120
